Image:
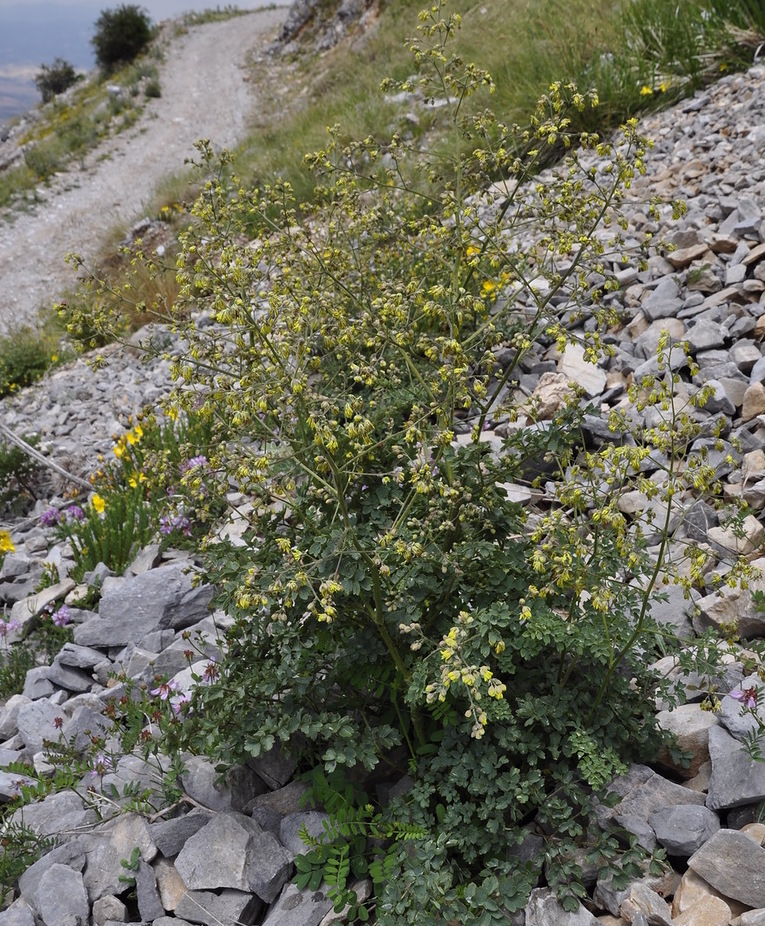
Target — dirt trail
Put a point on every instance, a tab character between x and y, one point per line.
204	95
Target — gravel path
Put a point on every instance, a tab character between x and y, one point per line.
204	95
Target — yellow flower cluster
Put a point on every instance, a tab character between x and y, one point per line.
128	440
6	544
477	680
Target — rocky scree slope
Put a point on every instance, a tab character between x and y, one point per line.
227	855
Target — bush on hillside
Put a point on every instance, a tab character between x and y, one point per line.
396	610
121	35
55	78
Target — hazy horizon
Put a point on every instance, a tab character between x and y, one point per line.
35	32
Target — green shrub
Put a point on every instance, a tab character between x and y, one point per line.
24	356
19	474
20	846
121	35
394	609
55	78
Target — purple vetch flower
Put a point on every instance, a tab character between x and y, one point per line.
175	521
211	672
197	462
164	689
62	617
74	513
50	518
100	765
9	626
178	703
747	696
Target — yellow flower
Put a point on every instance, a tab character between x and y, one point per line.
135	479
98	503
645	90
488	287
6	544
119	450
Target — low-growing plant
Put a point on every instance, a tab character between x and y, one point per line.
134	288
15	662
20	847
210	15
110	529
55	78
157	484
25	355
19	476
45	639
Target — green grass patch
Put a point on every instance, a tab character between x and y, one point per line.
639	56
28	352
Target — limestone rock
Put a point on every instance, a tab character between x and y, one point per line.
734	864
109	908
736	778
169	884
684	830
115	841
754	402
553	392
169	836
707	911
232	851
543	909
61	897
297	908
154	600
642	900
19	913
690	724
211	909
585	374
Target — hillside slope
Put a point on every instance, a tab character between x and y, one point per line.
204	95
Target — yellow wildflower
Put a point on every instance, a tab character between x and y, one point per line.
488	287
98	503
6	544
645	90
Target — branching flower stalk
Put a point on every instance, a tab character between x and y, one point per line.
392	607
